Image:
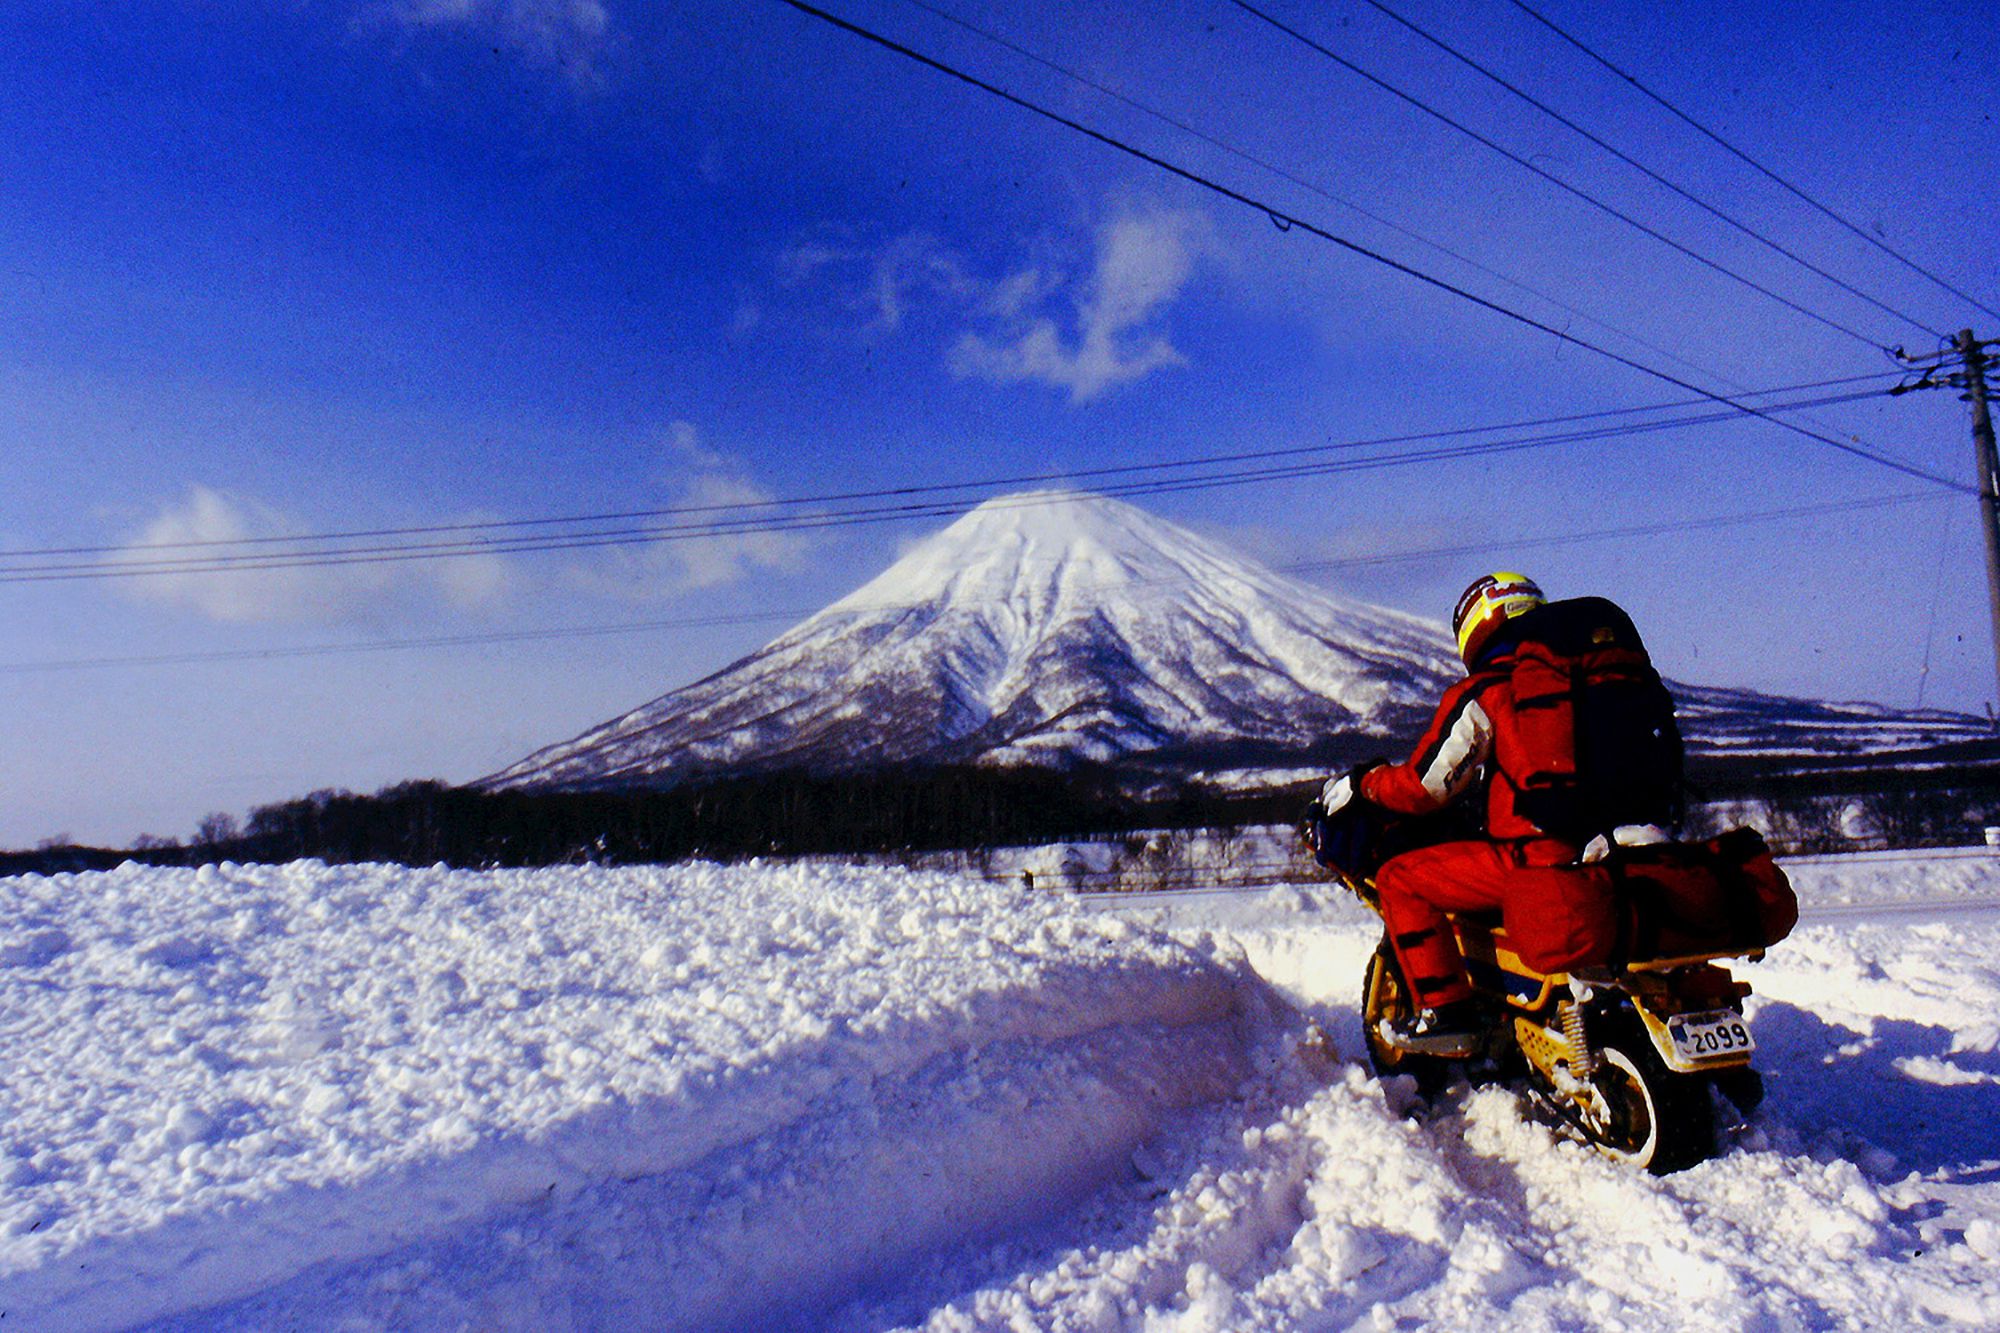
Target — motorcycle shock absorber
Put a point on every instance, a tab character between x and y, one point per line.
1582	1055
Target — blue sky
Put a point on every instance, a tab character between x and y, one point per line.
323	266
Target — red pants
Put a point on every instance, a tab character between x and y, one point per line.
1558	914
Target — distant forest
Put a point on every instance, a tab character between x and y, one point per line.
783	814
792	814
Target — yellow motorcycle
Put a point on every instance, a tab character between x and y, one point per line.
1626	1054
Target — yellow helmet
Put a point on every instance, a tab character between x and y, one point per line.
1491	601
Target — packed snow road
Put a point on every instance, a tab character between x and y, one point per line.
830	1098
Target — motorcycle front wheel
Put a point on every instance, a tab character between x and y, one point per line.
1383	996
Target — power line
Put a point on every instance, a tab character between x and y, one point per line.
1286	175
1287	221
1548	176
1661	528
1937	596
1752	162
394	645
557	633
1331	195
811	520
940	489
1649	173
1293	178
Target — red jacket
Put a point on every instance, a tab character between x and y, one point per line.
1474	734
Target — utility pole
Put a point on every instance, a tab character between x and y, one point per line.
1974	357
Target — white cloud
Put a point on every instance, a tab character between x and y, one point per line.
882	284
474	582
1040	322
699	477
567	33
713	562
321	594
915	266
1018	293
706	477
1143	262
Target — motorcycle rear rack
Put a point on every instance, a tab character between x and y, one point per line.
1689	960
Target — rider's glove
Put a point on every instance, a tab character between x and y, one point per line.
1340	792
1338	826
1344	789
1314	831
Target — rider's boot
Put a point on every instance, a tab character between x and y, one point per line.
1452	1030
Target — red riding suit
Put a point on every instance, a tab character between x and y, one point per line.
1554	907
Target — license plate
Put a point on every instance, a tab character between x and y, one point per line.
1707	1036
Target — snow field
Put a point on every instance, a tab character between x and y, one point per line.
1939	877
684	1097
826	1098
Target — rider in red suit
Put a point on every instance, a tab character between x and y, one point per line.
1473	735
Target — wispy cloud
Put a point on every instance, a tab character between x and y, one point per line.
880	284
698	477
1083	328
188	529
1143	262
570	34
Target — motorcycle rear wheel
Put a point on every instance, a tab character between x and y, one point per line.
1383	996
1649	1115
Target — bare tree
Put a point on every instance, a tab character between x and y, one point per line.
1918	818
1802	823
215	828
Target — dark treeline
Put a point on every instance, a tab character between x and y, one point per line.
790	814
780	814
1944	805
786	814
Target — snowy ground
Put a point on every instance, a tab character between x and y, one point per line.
817	1098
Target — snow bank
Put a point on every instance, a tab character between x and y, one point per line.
1920	878
1309	942
694	1096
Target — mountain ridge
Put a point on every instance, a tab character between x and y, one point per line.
1060	628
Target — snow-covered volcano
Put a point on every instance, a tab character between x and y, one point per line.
1050	628
1059	628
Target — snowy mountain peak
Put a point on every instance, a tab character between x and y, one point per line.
1041	550
1025	564
1048	627
1057	627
